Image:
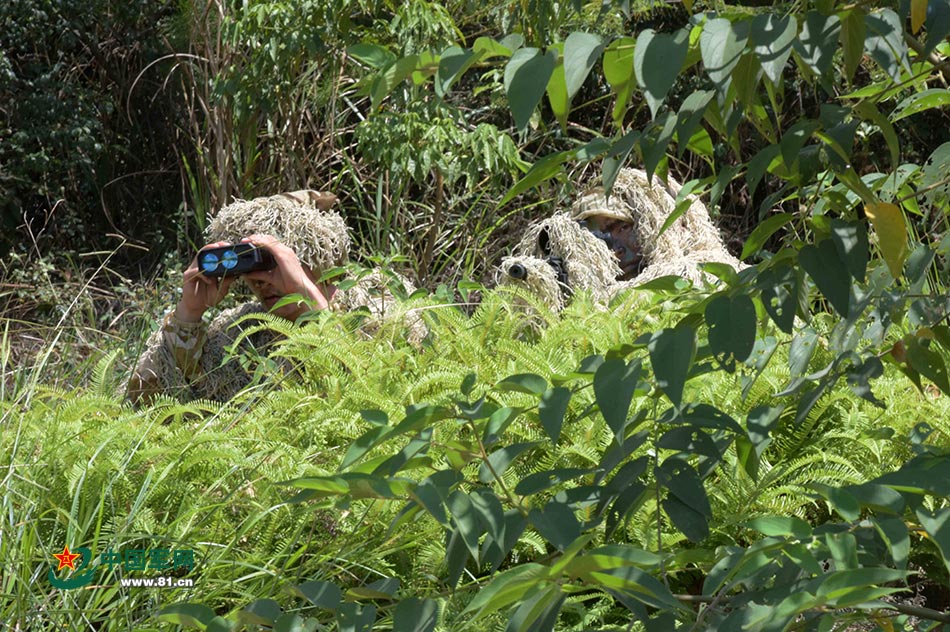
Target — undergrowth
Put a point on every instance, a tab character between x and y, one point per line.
82	467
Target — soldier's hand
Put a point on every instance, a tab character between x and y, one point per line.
200	292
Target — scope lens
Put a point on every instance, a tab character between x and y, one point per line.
209	262
229	259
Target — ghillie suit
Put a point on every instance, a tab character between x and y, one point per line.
197	361
561	247
557	257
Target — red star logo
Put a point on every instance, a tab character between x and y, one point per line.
66	559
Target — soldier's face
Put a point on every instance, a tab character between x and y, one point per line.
270	286
626	246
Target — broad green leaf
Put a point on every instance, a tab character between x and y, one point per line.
639	585
466	520
722	44
671	354
837	582
924	474
292	622
801	351
539	481
682	481
220	624
556	523
552	408
656	60
731	321
920	102
937	526
772	37
708	416
763	231
456	556
260	612
557	95
371	54
840	500
538	610
885	42
614	383
375	417
844	550
320	593
526	78
428	66
938	25
829	273
851	240
192	615
618	71
487	48
690	115
505	589
818	41
544	169
581	51
328	485
927	362
524	383
416	615
693	524
852	40
392	76
896	536
745	83
452	64
888	222
782	526
760	422
355	617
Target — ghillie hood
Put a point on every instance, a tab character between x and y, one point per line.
302	220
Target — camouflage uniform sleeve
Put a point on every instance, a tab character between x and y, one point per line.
192	360
171	360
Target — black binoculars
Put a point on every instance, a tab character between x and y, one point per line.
234	260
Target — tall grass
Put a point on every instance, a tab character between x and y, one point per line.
81	467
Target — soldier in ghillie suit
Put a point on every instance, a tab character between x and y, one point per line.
606	245
189	359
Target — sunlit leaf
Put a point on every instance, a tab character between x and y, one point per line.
581	51
772	37
891	230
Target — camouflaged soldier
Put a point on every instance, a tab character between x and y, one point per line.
186	357
606	245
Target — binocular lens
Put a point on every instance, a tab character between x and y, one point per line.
229	259
209	262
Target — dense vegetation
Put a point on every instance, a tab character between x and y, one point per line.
765	453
